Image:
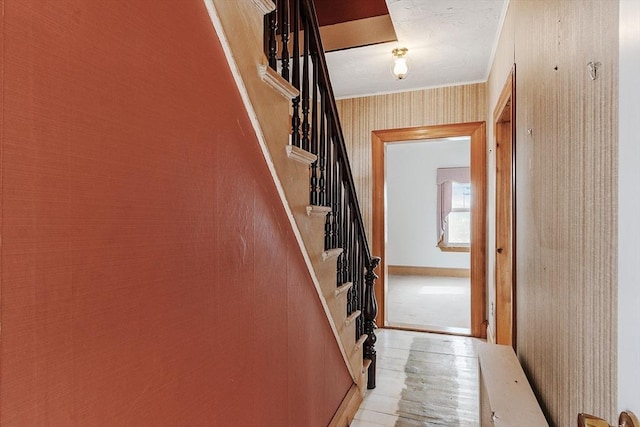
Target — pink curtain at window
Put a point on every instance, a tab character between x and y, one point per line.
444	178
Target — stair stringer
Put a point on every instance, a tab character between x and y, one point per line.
239	28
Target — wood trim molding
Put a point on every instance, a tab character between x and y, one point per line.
444	248
504	263
477	132
405	270
348	408
432	329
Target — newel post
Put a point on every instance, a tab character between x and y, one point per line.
370	313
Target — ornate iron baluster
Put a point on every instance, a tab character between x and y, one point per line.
337	199
328	226
306	101
283	5
271	26
346	244
322	150
313	197
346	251
337	220
358	282
351	272
295	78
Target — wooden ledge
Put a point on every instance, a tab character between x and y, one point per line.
277	82
445	248
264	6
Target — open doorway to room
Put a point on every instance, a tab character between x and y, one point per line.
381	140
428	222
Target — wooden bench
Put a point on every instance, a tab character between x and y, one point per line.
506	398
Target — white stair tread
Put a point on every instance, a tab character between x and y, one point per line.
352	317
360	342
365	365
277	82
316	210
331	253
300	155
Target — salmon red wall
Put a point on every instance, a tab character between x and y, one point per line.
149	272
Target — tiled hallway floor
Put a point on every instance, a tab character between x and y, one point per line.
423	380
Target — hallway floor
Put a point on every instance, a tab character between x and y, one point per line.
423	380
441	304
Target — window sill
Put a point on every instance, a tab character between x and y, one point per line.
445	248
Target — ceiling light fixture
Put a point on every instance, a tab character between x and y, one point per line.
400	68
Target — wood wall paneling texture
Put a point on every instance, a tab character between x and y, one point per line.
566	200
566	188
361	116
139	285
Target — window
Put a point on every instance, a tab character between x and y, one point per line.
458	223
454	209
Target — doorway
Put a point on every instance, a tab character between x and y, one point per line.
476	133
428	214
504	267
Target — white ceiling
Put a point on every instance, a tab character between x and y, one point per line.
450	42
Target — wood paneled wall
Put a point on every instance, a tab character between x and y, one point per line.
566	167
361	116
501	68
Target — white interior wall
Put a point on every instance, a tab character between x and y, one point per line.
411	201
629	209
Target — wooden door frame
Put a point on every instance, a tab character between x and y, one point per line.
505	214
477	132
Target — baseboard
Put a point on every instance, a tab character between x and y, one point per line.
348	408
405	270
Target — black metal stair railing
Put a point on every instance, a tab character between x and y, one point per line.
293	47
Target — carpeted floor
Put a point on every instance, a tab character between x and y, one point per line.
441	304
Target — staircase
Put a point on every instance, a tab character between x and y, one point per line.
278	61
